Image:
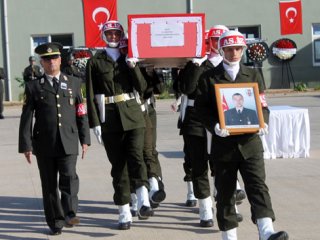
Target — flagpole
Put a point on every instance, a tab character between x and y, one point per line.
7	53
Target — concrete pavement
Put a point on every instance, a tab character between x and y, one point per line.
293	183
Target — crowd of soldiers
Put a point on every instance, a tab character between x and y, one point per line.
121	112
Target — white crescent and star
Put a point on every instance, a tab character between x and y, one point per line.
294	10
99	10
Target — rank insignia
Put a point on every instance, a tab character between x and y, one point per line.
63	86
71	101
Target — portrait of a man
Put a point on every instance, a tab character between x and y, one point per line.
239	115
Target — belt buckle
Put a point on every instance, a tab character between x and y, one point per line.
119	98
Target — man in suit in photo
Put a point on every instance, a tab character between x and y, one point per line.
239	115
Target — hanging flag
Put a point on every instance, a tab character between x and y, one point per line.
225	106
96	13
291	17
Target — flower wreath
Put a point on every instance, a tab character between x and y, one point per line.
257	52
81	58
284	49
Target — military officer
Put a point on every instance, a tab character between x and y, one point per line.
114	85
56	102
33	71
239	115
243	153
2	76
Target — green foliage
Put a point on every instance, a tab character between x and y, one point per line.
300	87
317	88
20	81
83	90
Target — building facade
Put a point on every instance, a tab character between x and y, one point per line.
24	24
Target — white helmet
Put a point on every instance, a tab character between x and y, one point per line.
111	25
229	39
215	32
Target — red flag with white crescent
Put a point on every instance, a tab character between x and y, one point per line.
96	13
225	106
291	17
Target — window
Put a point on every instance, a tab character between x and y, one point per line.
65	39
316	44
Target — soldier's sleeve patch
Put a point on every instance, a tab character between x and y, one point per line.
80	110
263	100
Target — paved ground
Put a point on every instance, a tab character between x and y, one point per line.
293	183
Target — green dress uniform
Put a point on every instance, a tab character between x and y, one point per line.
60	121
123	128
243	153
194	134
32	72
150	153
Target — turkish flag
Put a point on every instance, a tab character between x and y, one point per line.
291	17
225	106
96	13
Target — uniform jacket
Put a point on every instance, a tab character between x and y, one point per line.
32	73
55	114
189	86
246	117
105	76
206	107
73	71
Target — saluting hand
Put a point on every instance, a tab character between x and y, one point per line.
28	156
84	150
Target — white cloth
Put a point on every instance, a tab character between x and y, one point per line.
154	186
143	197
190	194
221	132
205	209
209	141
289	133
100	100
183	106
265	227
134	202
114	53
199	61
124	213
263	131
230	234
97	132
215	59
232	70
132	62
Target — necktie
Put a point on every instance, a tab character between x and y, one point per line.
55	82
239	111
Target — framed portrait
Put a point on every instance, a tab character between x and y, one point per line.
239	107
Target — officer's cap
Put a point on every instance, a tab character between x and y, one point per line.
49	50
32	58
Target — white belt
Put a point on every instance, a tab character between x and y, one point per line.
119	98
148	101
143	107
190	103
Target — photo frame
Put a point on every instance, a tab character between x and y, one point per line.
239	107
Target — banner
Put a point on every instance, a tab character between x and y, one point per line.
291	17
96	13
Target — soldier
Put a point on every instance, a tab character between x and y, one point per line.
194	134
33	71
115	115
2	76
243	153
60	122
72	70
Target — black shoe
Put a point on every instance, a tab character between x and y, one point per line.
240	195
145	212
158	196
55	231
191	203
239	217
206	223
1	116
134	213
154	205
282	235
124	226
72	220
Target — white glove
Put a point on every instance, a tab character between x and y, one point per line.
199	61
221	132
132	62
97	132
263	131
